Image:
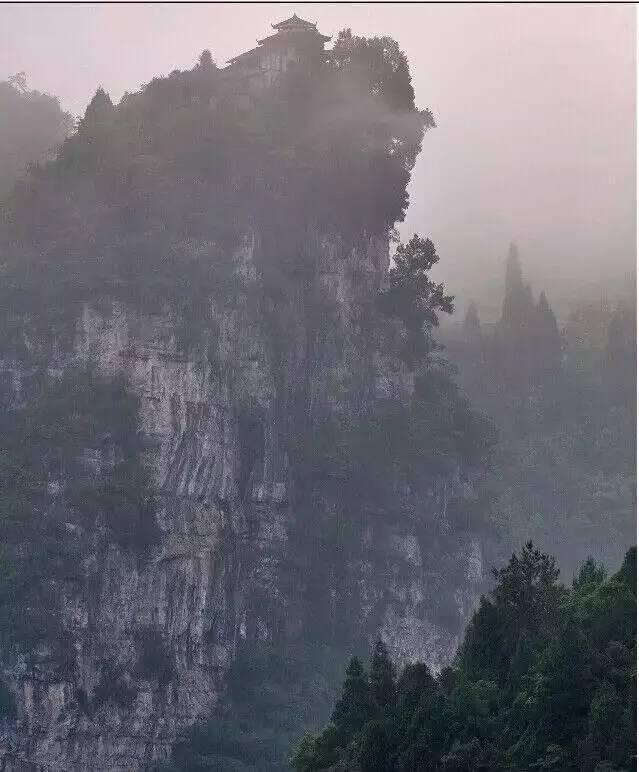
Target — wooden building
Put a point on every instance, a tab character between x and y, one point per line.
294	40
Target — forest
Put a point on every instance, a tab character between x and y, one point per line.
514	439
562	396
544	679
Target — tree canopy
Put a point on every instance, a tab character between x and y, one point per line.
545	679
32	127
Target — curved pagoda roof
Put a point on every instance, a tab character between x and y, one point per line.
292	24
295	24
243	56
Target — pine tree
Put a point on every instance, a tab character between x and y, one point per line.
515	619
548	340
94	147
518	309
205	62
619	361
471	324
515	343
99	108
382	677
356	706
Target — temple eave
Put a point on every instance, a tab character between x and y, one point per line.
278	36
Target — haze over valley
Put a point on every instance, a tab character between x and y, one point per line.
317	388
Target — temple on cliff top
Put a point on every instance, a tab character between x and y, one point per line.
294	40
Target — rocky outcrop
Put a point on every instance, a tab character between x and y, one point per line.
215	420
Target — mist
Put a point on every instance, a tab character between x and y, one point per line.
317	388
534	106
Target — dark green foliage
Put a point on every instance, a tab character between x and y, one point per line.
274	695
70	473
415	298
382	676
545	680
516	618
356	706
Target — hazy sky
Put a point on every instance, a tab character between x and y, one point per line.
535	111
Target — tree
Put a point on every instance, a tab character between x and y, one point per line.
518	308
514	333
205	62
582	683
382	677
356	706
590	573
619	359
516	619
19	82
46	530
570	708
548	340
374	748
378	65
471	324
91	153
415	298
32	127
371	84
414	681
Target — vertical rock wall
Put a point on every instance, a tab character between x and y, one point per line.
215	575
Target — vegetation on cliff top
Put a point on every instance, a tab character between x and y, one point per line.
146	199
32	128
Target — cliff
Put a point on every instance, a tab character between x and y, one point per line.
214	578
302	479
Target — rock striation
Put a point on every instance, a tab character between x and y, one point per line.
217	420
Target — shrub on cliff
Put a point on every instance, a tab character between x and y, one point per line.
71	478
415	298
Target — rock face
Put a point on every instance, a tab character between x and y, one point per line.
215	419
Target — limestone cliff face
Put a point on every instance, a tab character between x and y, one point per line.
214	579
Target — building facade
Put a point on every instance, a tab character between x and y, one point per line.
295	40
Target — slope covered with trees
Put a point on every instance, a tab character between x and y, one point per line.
545	679
562	396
